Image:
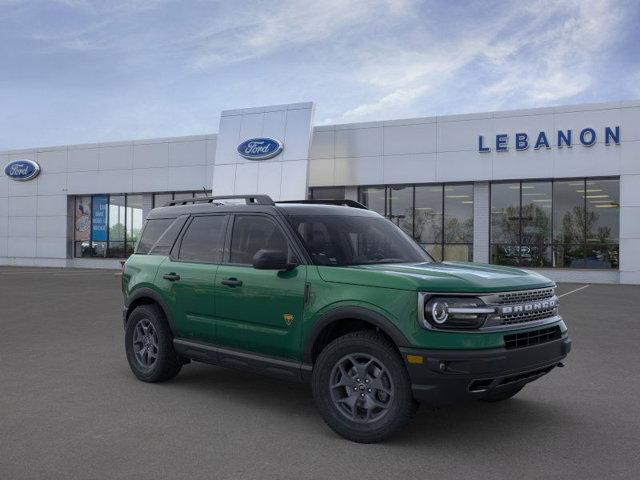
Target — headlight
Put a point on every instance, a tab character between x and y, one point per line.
455	313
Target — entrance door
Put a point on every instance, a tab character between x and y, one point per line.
259	310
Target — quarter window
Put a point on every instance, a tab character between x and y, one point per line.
152	231
204	239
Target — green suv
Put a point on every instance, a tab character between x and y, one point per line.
336	295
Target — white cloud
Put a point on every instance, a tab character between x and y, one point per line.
543	52
554	63
288	24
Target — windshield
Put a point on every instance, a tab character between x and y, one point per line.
340	240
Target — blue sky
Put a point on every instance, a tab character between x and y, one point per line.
77	71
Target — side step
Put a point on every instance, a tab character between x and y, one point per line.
241	360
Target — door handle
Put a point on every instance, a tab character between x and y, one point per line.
232	282
172	277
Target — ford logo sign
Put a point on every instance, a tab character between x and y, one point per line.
260	148
22	170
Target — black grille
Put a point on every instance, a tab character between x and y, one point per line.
534	337
522	317
525	295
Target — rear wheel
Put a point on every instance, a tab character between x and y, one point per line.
149	345
501	395
362	388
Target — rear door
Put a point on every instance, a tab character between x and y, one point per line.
187	277
259	310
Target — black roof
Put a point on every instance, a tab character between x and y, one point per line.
260	203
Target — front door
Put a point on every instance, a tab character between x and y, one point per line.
187	278
259	310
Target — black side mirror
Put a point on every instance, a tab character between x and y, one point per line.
272	260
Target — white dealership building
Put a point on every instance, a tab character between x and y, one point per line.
552	189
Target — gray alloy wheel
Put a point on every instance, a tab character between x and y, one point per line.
148	343
361	387
145	343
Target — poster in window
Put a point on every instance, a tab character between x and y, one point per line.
99	218
83	219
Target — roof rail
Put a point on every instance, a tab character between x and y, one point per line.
344	203
249	200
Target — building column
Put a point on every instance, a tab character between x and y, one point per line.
629	229
481	217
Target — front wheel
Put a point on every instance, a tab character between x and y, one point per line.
362	388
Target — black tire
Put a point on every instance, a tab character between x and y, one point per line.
501	395
166	363
400	404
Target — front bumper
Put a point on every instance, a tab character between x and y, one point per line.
450	376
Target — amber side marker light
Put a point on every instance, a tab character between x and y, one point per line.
415	359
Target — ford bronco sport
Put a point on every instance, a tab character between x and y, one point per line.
336	295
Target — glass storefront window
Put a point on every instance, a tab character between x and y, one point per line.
161	199
439	217
117	219
373	198
400	207
107	225
327	193
603	223
458	222
428	218
564	223
134	221
536	201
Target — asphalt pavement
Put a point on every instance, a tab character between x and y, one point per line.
71	409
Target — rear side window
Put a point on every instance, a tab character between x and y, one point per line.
152	231
204	239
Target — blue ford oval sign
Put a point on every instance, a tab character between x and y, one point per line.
260	148
22	170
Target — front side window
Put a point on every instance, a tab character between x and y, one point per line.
204	239
252	233
337	240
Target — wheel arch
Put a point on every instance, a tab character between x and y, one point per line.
147	296
337	319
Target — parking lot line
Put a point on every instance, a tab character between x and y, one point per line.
573	291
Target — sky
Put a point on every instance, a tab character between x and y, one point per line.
80	71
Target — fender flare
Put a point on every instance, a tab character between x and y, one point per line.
352	313
145	292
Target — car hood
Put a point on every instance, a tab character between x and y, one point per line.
454	277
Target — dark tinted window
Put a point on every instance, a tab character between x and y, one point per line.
204	239
168	238
152	232
353	240
252	233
